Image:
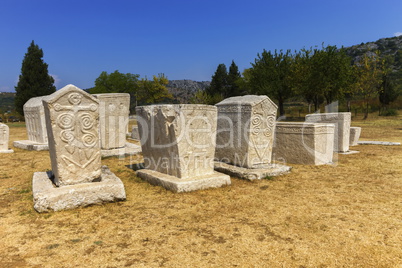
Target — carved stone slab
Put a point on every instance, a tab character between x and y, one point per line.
342	127
113	116
245	131
72	120
178	146
34	114
304	143
4	137
354	135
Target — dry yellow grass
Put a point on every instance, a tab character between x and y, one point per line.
346	215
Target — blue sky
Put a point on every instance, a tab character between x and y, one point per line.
184	39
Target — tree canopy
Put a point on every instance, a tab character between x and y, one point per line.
34	80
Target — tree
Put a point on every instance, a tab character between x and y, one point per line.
153	91
368	73
387	93
34	80
117	82
271	75
218	87
233	80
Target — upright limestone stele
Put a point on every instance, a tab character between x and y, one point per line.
354	135
178	146
304	143
77	177
34	114
114	111
4	137
245	135
342	127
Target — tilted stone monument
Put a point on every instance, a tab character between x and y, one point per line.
245	137
354	135
134	133
342	127
304	143
114	112
72	119
4	137
178	146
34	114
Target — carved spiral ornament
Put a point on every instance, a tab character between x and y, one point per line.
67	136
65	121
87	121
75	98
89	140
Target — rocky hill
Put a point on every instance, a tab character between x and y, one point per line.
184	90
390	48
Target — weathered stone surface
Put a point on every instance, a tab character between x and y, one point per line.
387	143
113	116
245	131
271	170
134	133
34	114
47	197
342	127
179	141
129	149
177	185
304	143
72	121
31	145
4	137
354	135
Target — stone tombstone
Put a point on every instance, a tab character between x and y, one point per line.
134	133
245	131
304	143
34	114
4	137
113	116
342	127
178	146
354	135
72	119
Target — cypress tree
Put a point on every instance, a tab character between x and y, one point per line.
34	80
232	81
219	81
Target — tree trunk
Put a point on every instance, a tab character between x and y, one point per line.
366	111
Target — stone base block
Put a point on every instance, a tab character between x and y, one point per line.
48	197
177	185
349	152
31	145
378	143
6	151
129	149
251	173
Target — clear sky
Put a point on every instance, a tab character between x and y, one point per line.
184	39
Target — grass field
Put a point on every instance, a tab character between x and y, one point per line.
344	215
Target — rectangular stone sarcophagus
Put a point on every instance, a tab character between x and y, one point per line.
304	143
72	119
178	146
342	127
245	131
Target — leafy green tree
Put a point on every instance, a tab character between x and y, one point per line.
117	82
233	81
271	75
388	92
154	91
34	79
368	78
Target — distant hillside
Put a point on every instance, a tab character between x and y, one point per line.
183	90
388	47
6	102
